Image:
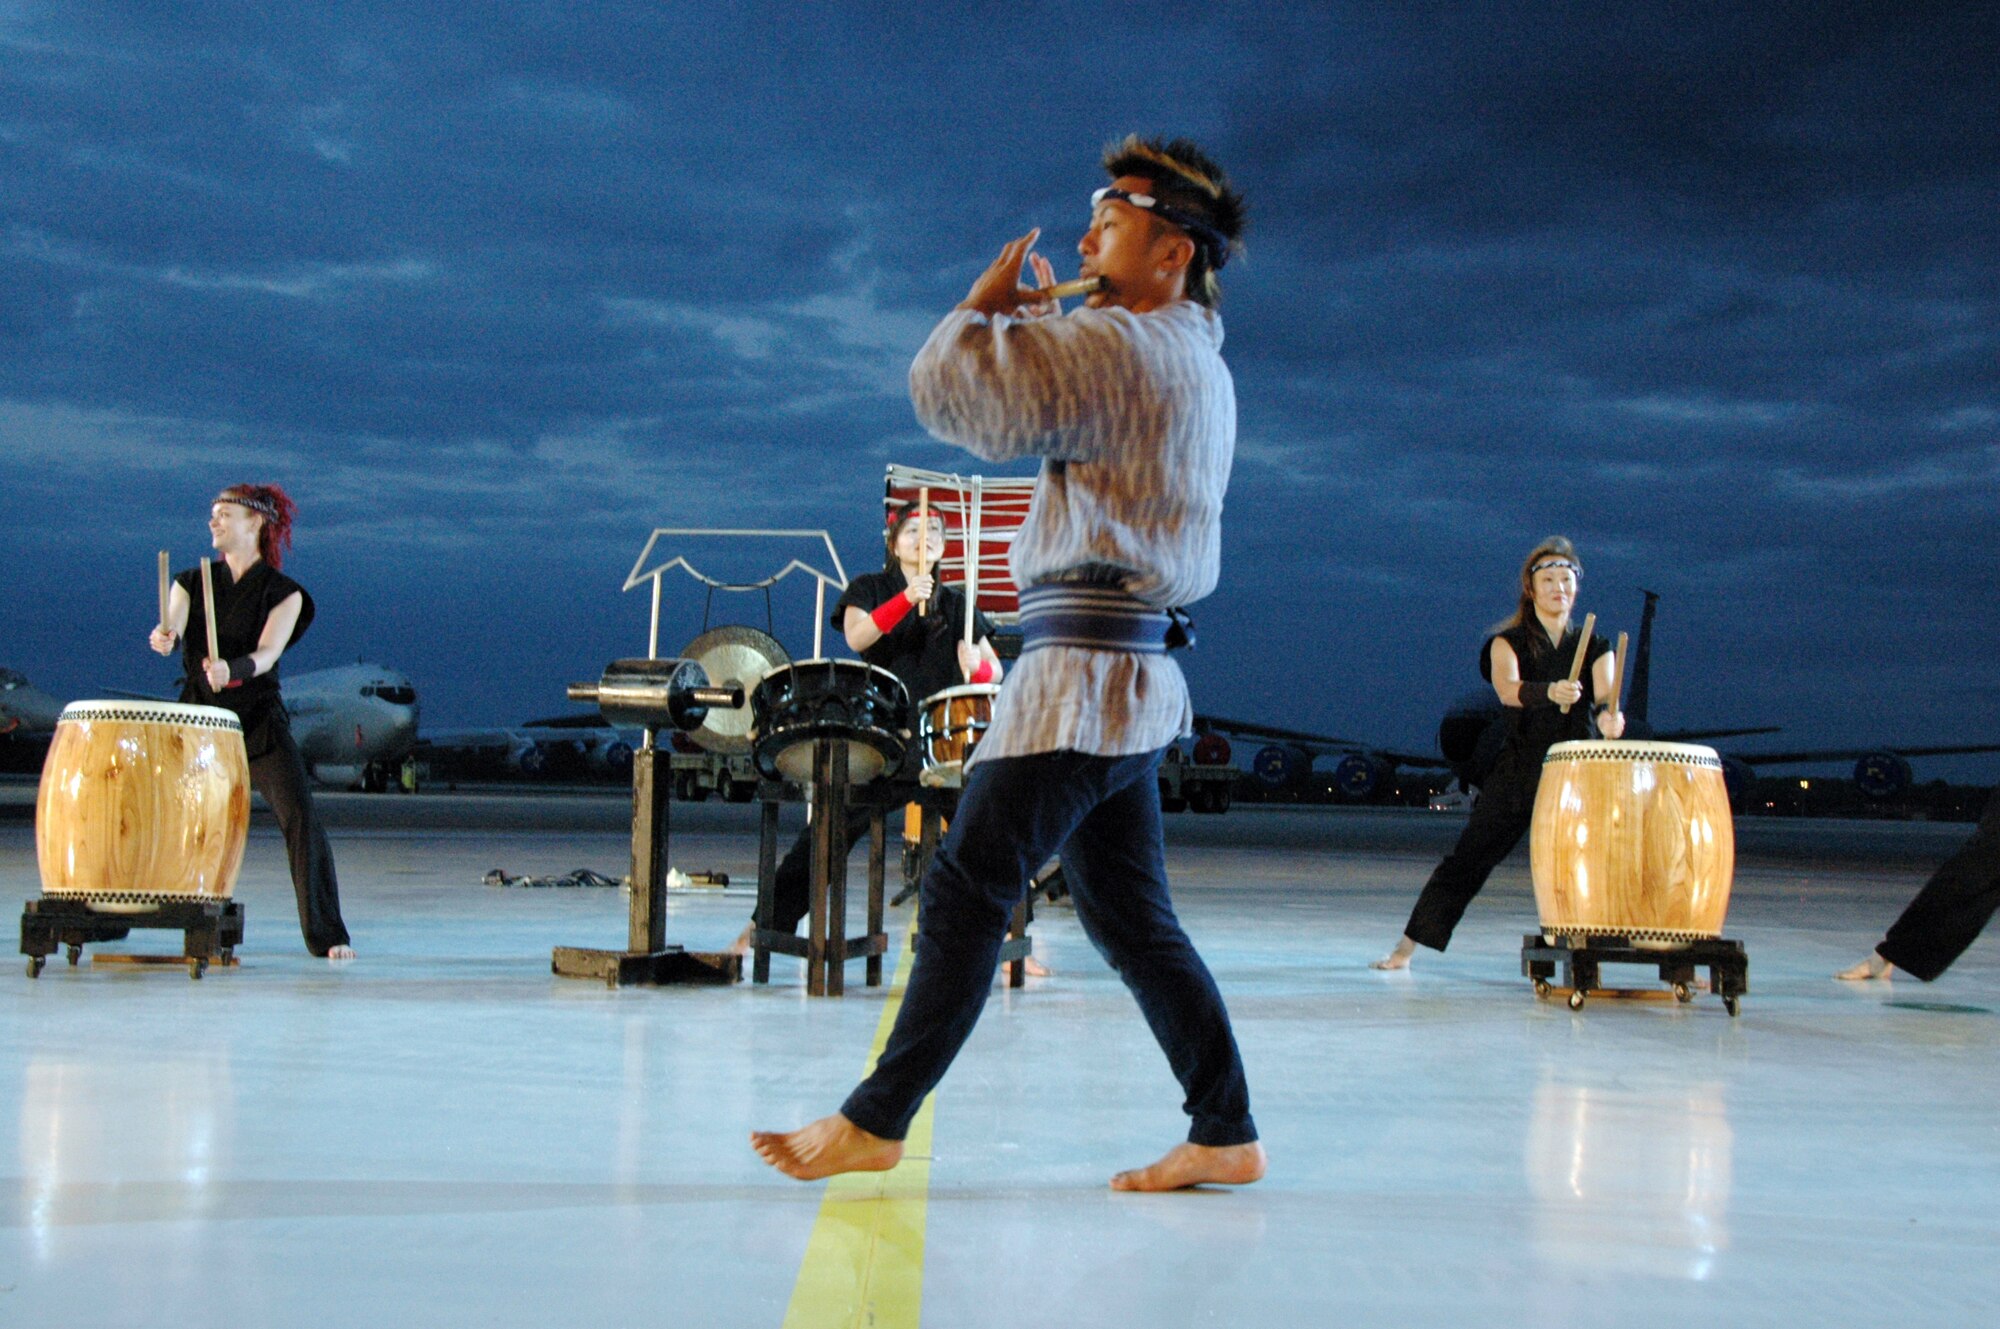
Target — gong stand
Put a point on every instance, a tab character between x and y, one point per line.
826	947
654	694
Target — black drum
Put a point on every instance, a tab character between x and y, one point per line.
839	699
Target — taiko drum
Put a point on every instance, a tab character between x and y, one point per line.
143	801
951	724
1632	839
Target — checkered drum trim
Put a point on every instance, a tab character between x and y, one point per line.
163	712
1666	755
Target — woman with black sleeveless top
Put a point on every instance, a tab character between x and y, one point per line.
1527	660
259	614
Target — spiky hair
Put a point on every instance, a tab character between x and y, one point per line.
1185	177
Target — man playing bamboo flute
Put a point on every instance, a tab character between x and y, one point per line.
1129	405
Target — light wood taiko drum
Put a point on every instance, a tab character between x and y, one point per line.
1632	839
143	801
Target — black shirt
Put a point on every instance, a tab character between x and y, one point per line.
1533	730
923	652
240	610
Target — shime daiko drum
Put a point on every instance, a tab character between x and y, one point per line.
143	801
1632	839
950	724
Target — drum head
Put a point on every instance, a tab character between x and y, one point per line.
733	655
1633	749
962	690
151	712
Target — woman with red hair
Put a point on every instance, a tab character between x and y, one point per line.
259	613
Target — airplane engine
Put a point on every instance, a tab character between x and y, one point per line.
527	758
613	758
1212	750
1280	767
1360	777
1882	775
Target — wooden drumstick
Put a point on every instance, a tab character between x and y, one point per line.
972	562
1618	676
923	544
1576	662
166	600
208	609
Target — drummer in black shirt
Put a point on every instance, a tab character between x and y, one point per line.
927	650
259	614
1527	660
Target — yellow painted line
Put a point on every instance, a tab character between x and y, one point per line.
864	1262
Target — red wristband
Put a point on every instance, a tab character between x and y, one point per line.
890	612
983	674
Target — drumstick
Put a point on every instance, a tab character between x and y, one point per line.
1618	675
165	600
972	562
1576	662
208	609
1063	290
923	544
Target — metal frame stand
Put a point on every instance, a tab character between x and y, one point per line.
1580	959
826	948
647	960
211	929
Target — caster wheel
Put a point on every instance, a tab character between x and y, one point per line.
1683	993
1542	988
35	963
228	954
1576	1000
1730	1004
75	954
196	968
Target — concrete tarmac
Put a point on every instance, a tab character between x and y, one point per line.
443	1133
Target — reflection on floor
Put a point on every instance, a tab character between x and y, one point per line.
444	1134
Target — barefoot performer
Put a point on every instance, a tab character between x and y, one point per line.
1132	410
929	654
258	612
1530	660
1948	913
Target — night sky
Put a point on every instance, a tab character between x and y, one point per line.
494	289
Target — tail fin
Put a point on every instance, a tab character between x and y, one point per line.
1642	664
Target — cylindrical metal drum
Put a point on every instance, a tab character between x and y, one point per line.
143	801
1632	839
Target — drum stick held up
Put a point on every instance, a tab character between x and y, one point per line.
1582	649
1618	676
166	598
923	545
208	609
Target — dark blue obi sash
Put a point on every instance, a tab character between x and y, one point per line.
1092	618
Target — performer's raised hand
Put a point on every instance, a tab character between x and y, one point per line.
1611	724
1565	692
164	640
968	660
1045	277
920	588
217	674
999	290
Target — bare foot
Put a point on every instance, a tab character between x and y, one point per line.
828	1146
340	953
741	946
1036	969
1872	967
1187	1165
1398	958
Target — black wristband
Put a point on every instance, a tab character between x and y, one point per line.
1534	694
242	667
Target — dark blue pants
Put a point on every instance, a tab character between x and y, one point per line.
1103	814
1953	907
1501	816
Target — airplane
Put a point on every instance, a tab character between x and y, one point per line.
562	747
1473	730
1363	772
352	722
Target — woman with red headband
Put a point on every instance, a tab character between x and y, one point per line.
878	616
259	613
1527	660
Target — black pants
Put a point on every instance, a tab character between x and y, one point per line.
1103	813
1954	905
1500	817
279	775
791	885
